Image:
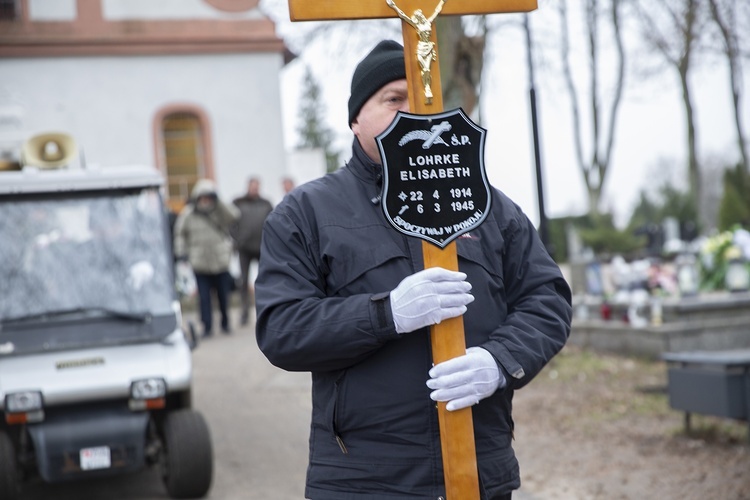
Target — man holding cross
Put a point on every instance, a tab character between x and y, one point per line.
343	295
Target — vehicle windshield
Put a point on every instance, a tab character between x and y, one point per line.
84	252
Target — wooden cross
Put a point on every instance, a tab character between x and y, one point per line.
425	97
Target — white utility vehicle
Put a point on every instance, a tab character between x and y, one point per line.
95	369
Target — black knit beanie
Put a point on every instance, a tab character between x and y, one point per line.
384	64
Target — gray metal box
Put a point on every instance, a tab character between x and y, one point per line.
713	383
709	392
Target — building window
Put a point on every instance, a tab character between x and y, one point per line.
183	140
8	10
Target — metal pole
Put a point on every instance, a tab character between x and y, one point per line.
543	225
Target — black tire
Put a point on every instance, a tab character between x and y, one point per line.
9	479
187	461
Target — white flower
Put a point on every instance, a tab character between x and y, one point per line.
742	240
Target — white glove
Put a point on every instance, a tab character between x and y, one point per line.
465	380
428	297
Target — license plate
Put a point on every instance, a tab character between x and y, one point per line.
95	458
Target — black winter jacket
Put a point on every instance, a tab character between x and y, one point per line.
327	250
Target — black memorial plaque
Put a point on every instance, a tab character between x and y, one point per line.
434	182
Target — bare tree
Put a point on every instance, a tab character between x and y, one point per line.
672	28
312	129
461	53
594	165
461	63
724	14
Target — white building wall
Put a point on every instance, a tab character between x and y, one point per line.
52	10
306	165
119	10
108	104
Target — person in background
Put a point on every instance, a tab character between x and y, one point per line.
287	184
247	232
342	294
201	236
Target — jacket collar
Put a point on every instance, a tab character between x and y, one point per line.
363	167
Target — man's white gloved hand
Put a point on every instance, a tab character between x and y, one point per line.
465	380
428	297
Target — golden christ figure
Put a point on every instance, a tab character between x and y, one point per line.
425	47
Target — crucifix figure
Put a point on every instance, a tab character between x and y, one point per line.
343	295
426	52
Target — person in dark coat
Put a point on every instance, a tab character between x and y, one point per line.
247	235
343	295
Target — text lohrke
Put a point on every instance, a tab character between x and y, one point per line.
428	160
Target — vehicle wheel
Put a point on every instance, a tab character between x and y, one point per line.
9	479
188	459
